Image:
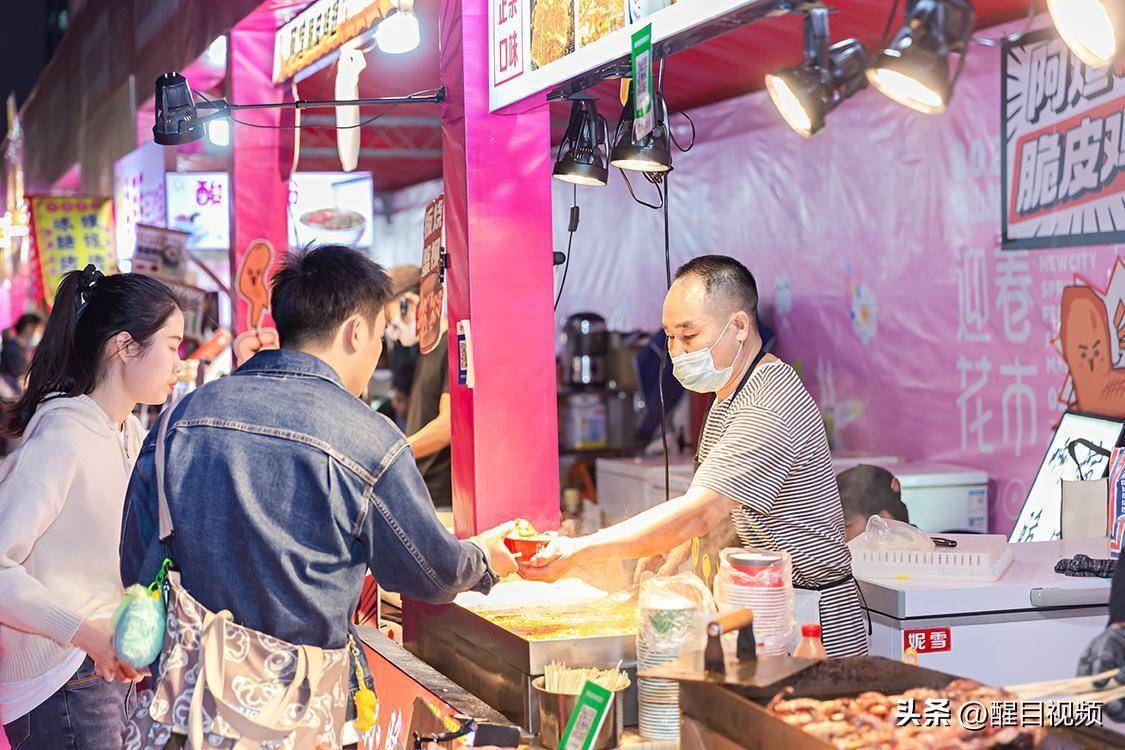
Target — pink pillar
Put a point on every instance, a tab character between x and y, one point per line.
260	180
498	236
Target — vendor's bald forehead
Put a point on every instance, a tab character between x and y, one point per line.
694	303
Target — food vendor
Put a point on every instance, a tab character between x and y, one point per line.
1107	651
866	491
764	462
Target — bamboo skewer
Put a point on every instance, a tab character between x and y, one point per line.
1103	696
1057	687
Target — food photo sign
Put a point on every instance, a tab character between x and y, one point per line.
331	208
535	45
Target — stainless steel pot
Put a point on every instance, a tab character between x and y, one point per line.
555	710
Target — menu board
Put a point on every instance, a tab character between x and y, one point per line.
1062	148
160	251
432	298
199	204
331	208
69	233
1040	520
534	45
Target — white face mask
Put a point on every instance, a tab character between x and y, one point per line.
696	370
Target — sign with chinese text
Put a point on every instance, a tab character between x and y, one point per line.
319	30
138	194
199	204
69	233
1063	171
535	45
432	297
160	252
509	30
199	306
927	641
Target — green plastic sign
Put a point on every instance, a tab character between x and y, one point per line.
643	118
587	718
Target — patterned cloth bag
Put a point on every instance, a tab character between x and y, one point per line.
225	686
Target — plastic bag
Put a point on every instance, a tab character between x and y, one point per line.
886	533
668	609
138	627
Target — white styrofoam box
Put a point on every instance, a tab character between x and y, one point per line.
982	557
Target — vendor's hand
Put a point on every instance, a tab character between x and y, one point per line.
500	558
1104	653
95	637
663	565
555	560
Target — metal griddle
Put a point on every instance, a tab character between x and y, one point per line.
498	665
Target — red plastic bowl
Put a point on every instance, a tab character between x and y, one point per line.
525	547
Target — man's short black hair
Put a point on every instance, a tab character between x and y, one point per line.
867	490
317	289
725	276
26	321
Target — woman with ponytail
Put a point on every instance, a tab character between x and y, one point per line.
110	343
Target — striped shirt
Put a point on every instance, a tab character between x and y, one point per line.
765	447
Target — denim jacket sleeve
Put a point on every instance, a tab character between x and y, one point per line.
141	553
409	551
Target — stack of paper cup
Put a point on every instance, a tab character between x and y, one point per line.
665	620
761	581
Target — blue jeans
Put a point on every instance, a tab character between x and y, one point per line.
87	713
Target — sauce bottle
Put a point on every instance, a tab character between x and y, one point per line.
810	646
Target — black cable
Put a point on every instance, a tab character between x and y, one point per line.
664	356
672	133
887	29
298	126
654	181
1010	38
572	227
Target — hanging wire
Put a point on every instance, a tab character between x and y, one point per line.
655	180
672	132
572	228
887	29
390	108
1010	38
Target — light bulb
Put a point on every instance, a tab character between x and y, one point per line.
398	33
218	132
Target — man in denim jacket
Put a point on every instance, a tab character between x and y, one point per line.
285	488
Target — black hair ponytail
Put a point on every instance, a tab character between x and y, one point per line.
89	310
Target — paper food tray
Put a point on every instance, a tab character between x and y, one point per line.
977	557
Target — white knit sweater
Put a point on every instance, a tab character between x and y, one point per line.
61	497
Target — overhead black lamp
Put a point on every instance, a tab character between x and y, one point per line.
914	69
177	120
653	153
582	156
1093	29
804	94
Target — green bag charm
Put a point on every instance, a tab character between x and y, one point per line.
138	623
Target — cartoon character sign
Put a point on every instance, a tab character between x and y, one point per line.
252	277
1090	342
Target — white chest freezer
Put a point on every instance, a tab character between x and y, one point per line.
626	485
944	497
1031	625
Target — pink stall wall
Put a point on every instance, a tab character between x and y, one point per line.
886	215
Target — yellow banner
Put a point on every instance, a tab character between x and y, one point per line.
70	232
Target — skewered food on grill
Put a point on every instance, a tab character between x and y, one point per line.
871	720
